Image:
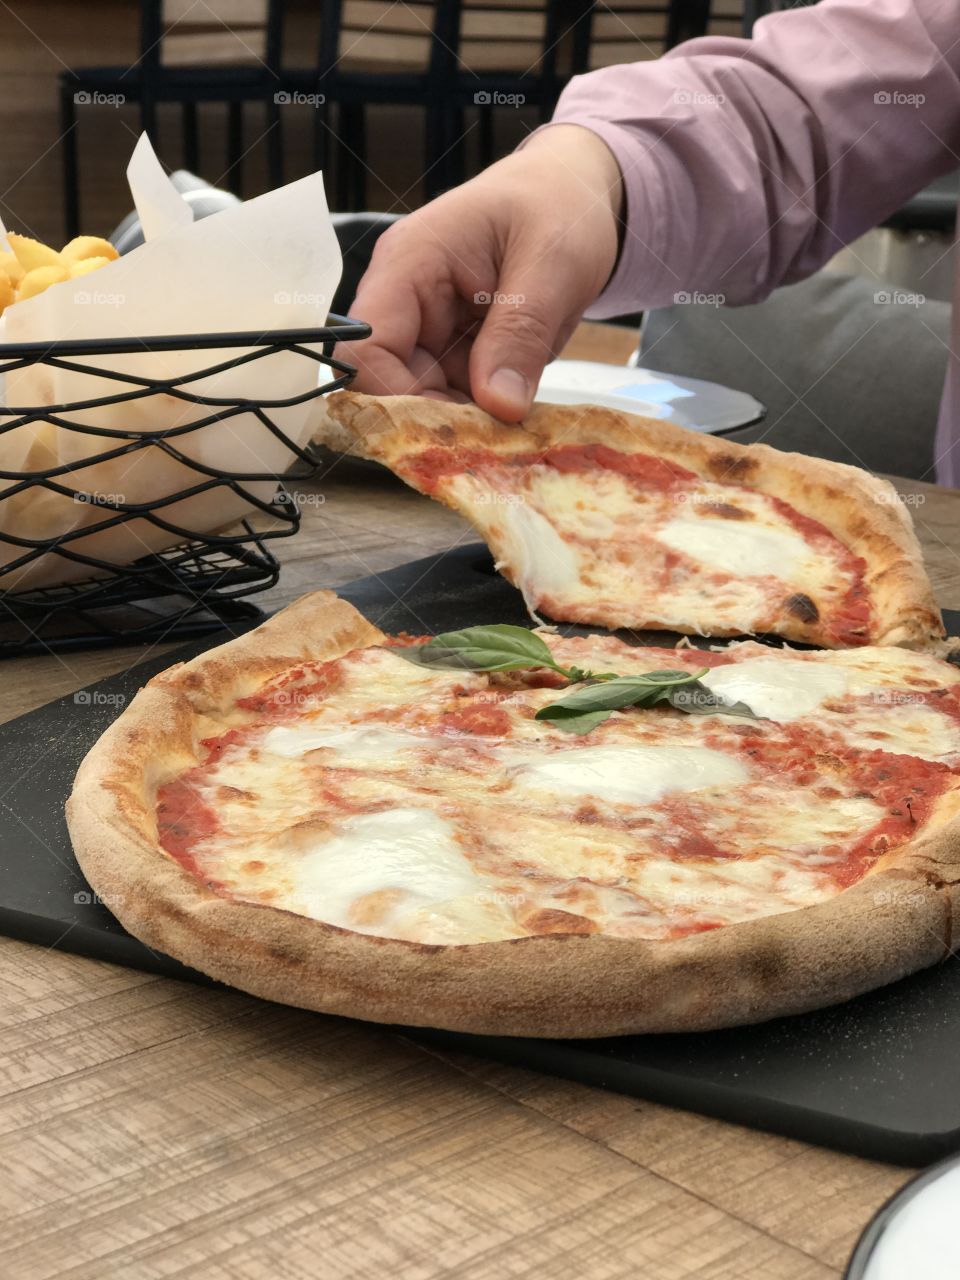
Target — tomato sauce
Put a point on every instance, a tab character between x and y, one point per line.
905	786
945	700
688	658
688	927
215	747
294	689
543	678
644	469
184	820
429	468
482	718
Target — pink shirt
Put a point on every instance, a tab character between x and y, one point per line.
748	163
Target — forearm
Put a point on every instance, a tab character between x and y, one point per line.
746	164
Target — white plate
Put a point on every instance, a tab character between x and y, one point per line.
690	402
914	1234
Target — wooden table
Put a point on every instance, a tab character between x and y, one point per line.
154	1129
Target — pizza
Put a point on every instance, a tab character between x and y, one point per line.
620	521
386	828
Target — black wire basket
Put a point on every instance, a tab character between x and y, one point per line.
193	581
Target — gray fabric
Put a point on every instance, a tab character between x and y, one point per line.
869	372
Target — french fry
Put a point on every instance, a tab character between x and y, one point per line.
33	266
83	248
11	268
41	278
86	265
7	294
31	253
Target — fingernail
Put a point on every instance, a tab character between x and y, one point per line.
510	385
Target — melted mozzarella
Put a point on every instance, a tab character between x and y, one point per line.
397	673
749	549
363	743
730	890
909	729
411	850
781	689
544	564
794	821
631	775
787	689
872	668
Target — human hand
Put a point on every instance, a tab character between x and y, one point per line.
470	296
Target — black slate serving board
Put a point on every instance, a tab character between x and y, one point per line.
879	1076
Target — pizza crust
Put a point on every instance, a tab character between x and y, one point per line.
861	510
899	919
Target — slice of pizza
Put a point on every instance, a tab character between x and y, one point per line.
510	832
622	521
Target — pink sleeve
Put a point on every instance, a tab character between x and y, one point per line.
747	164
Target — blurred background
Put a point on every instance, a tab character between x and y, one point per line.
395	101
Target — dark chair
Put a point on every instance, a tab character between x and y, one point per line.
635	31
527	50
371	54
439	55
932	209
726	18
754	9
498	55
357	234
190	54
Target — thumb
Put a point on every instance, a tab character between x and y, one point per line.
529	320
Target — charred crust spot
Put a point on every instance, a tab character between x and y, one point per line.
800	606
444	434
770	966
732	466
727	511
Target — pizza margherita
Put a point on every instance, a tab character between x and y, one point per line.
375	826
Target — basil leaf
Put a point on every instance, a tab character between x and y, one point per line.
495	648
623	691
580	722
668	677
697	700
502	647
592	704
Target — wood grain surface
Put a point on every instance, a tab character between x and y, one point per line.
151	1129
